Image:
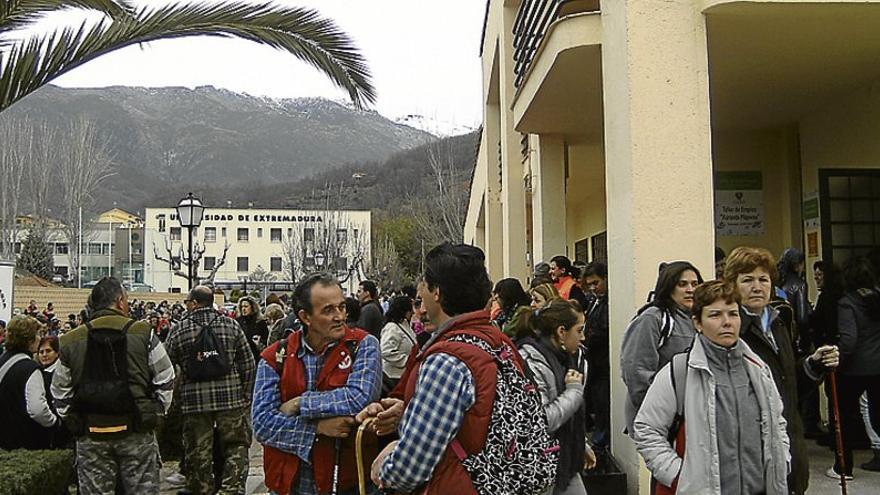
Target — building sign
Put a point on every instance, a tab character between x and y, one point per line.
813	244
811	212
258	218
7	279
739	203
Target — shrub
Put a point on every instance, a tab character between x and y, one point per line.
24	472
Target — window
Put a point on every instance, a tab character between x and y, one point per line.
94	248
599	243
210	234
289	233
849	207
161	223
581	250
106	248
275	264
309	234
61	270
275	235
175	233
242	264
62	248
17	248
309	242
210	261
243	235
341	237
259	233
341	264
223	231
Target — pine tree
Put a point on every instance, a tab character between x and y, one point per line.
36	255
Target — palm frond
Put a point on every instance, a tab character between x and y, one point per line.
16	14
32	63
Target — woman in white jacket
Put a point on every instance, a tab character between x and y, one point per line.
396	342
551	355
734	434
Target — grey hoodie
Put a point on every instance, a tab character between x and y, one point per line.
640	356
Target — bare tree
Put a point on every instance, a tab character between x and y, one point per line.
440	215
86	164
13	165
386	269
43	152
180	262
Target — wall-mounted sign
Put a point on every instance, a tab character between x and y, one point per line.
7	279
813	244
739	203
811	212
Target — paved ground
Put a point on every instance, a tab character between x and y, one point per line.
865	482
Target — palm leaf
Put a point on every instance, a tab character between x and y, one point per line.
15	14
29	64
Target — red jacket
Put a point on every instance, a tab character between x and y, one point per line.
450	476
281	468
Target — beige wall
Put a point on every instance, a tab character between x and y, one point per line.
770	152
585	193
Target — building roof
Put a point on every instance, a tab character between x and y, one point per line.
118	215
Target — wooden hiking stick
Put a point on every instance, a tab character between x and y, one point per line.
838	433
359	454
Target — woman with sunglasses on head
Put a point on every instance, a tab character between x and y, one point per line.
551	354
660	330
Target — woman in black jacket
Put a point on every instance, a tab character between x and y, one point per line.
251	320
858	318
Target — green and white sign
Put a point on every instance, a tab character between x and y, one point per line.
739	203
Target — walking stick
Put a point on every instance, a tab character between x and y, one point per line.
336	466
359	454
838	433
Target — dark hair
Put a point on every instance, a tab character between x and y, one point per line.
409	290
540	280
52	341
303	291
789	261
709	292
370	286
833	278
105	293
596	268
511	293
202	295
352	309
459	270
21	332
670	274
719	254
859	274
398	308
544	321
565	263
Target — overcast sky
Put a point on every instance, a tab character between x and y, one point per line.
423	56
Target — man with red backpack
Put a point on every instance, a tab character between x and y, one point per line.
473	423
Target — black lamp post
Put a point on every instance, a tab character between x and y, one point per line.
189	213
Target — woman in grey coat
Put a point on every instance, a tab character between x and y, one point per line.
661	329
559	330
725	403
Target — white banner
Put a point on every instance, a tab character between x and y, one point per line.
7	279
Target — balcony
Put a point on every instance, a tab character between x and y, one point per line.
531	25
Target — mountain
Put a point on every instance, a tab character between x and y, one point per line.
173	138
436	127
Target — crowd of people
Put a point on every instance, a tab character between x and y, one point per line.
463	386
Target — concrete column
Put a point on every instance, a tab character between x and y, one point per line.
494	225
548	198
513	199
658	164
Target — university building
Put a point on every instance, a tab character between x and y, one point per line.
639	131
257	246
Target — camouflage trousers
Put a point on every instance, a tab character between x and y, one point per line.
234	434
132	459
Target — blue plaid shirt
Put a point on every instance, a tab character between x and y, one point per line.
296	434
444	393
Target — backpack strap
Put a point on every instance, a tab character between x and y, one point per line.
678	375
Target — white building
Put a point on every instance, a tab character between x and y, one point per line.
256	245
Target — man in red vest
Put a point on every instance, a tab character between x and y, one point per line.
448	388
308	388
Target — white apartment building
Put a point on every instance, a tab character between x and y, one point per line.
256	245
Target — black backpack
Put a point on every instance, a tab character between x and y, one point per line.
208	360
103	388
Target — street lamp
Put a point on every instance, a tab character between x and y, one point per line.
319	260
189	213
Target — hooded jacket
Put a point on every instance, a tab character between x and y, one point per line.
699	471
858	318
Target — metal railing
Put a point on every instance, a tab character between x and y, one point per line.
532	22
